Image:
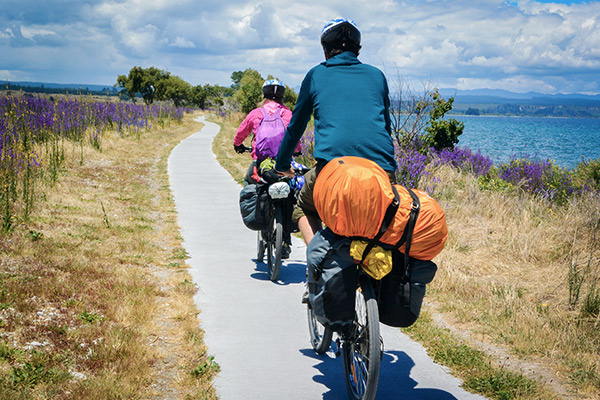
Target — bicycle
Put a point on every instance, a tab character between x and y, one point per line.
361	342
271	239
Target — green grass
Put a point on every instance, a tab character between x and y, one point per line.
477	370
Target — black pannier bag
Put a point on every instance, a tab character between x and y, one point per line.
254	206
400	303
332	278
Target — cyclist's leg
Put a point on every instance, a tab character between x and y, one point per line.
305	214
308	226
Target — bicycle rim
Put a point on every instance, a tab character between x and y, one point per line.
362	354
277	243
320	336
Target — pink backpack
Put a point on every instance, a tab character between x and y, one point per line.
269	135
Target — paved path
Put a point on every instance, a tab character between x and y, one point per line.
257	329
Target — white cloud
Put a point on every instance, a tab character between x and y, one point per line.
491	42
182	43
7	75
30	32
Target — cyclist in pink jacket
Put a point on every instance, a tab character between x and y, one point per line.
273	91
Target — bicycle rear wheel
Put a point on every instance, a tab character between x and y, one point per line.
362	351
320	336
275	244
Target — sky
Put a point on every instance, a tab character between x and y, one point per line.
519	45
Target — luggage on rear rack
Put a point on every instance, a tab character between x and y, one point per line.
357	203
399	303
254	206
332	277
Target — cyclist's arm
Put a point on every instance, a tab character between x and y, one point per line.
244	129
295	130
386	102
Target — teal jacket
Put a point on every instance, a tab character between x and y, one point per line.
351	105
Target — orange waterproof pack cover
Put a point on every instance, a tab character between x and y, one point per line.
352	195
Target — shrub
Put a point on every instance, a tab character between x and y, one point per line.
587	174
540	178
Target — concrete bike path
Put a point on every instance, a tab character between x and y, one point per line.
256	329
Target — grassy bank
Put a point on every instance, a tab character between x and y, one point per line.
514	308
95	298
523	275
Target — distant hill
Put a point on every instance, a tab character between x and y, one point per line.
503	102
505	94
45	87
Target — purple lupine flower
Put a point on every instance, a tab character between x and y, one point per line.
464	160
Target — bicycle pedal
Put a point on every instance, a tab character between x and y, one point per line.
338	345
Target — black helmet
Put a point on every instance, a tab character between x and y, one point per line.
340	33
273	88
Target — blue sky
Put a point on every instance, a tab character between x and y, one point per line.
522	45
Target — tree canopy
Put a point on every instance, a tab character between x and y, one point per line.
153	84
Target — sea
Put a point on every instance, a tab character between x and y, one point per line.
566	141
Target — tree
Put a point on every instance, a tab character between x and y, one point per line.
236	77
198	95
290	97
250	91
172	88
442	134
417	119
131	84
141	81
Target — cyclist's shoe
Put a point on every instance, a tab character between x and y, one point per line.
305	297
285	251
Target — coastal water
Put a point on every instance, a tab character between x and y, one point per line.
564	140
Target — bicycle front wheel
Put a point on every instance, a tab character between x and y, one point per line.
320	336
362	351
260	246
275	245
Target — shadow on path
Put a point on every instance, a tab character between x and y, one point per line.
394	378
289	274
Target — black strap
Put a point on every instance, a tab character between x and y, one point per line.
407	235
390	213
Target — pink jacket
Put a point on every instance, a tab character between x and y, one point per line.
250	123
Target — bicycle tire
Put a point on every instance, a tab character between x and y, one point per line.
320	335
268	238
260	246
277	243
362	352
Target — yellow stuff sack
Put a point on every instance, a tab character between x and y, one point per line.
352	195
378	263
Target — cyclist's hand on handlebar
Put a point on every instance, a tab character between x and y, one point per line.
239	149
288	174
271	176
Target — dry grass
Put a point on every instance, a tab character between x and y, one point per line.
235	164
509	273
91	298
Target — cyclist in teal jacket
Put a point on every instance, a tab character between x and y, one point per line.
350	101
